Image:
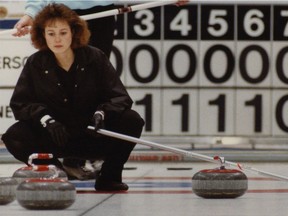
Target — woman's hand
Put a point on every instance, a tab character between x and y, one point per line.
23	26
182	2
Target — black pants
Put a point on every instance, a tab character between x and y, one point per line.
23	138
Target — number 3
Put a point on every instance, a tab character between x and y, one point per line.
146	18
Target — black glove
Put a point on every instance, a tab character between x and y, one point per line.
98	119
57	131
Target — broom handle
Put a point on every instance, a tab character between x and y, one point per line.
112	12
186	153
127	9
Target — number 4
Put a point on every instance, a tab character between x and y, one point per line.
181	23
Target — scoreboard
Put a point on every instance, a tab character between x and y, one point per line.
195	70
207	69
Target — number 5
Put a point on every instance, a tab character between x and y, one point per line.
216	18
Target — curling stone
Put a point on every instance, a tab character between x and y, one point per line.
7	190
27	172
219	183
45	193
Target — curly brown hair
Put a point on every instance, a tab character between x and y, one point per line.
59	12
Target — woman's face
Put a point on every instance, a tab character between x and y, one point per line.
58	36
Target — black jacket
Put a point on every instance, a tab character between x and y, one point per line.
38	91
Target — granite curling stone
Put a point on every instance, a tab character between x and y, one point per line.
44	194
27	172
219	183
8	187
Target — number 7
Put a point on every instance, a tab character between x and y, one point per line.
285	14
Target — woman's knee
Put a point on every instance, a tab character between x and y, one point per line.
17	131
133	118
11	133
18	137
129	122
22	139
132	123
